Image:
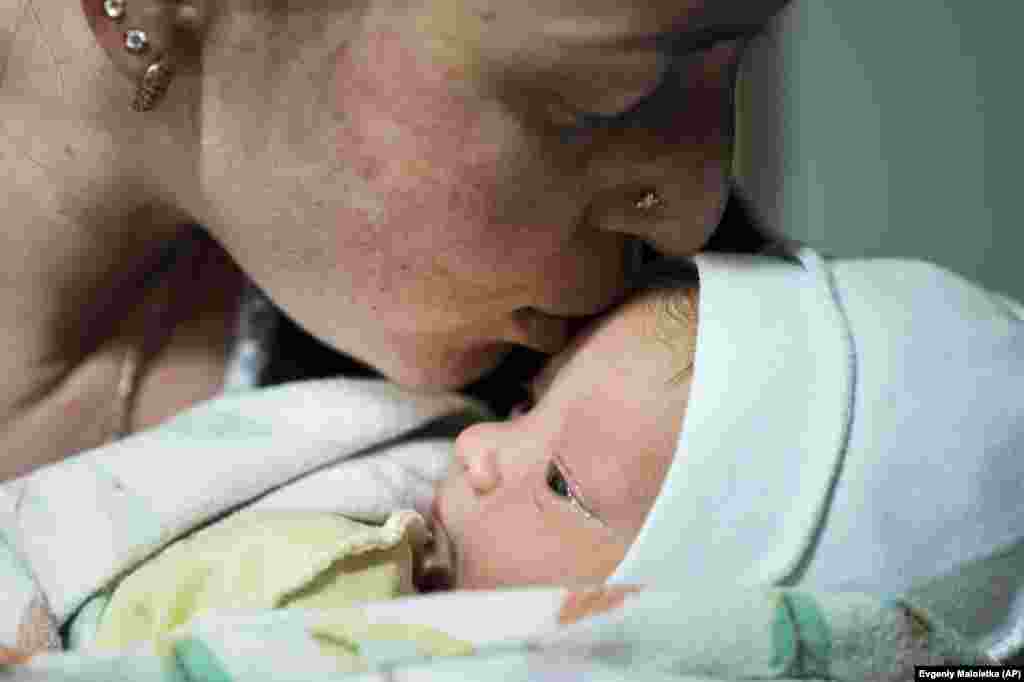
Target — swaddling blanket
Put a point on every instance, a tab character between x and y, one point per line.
347	446
68	531
543	635
261	560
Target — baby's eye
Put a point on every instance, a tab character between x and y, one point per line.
523	406
556	481
560	486
520	408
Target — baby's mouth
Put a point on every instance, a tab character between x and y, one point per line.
435	571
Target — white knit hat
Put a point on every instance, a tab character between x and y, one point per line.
852	425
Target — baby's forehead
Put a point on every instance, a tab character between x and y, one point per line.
647	324
643	326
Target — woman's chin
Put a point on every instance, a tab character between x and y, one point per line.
453	371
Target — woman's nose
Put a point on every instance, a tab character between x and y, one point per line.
476	452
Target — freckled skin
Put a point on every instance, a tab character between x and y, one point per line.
466	206
463	204
447	199
402	178
398	177
434	158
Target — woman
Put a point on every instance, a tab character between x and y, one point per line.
422	186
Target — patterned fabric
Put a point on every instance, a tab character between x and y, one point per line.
647	636
70	531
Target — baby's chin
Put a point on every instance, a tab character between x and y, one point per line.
435	569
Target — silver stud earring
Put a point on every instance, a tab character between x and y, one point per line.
136	41
649	201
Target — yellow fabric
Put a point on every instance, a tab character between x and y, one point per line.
344	636
263	560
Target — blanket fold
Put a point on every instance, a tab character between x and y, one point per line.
683	635
363	448
71	529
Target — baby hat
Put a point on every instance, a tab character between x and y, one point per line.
853	425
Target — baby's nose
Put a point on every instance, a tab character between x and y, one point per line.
476	453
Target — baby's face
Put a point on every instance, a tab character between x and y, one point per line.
557	493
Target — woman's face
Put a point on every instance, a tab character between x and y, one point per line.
472	175
557	494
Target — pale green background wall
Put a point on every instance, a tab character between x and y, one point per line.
874	127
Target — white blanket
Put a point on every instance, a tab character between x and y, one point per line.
70	529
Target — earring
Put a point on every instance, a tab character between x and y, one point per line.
152	45
649	201
153	85
114	9
136	41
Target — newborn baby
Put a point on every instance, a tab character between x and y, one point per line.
768	425
515	517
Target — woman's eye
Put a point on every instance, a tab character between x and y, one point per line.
556	481
660	104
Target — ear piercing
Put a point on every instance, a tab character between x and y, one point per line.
114	9
153	85
649	201
162	23
136	41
